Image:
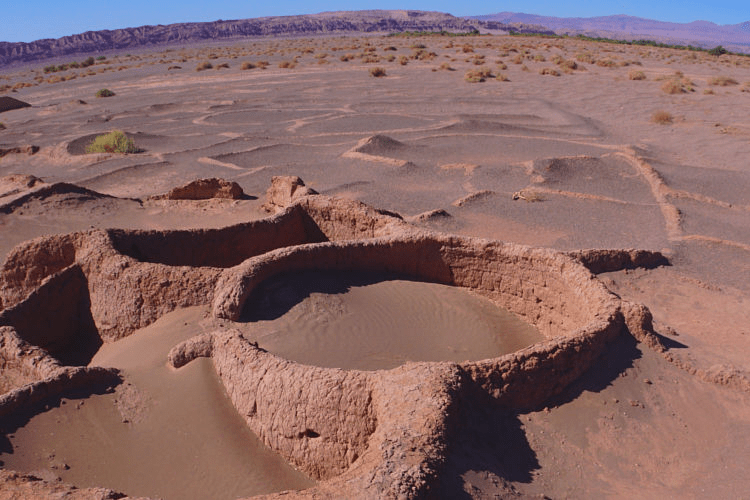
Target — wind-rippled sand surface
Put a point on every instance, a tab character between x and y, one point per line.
365	322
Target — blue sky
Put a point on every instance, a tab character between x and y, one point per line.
27	20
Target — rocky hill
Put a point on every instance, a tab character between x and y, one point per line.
374	21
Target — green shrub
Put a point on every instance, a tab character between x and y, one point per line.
104	93
101	58
88	62
113	142
718	51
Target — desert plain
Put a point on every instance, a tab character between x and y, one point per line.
548	165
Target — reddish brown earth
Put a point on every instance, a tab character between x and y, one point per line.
623	242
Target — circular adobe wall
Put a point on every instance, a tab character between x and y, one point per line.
379	434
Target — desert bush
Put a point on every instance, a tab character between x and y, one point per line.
101	58
501	65
262	64
391	47
287	64
2	126
446	67
662	117
708	92
390	58
673	86
549	71
104	93
722	81
539	58
568	64
377	71
204	66
718	51
502	77
477	75
403	60
585	57
89	61
467	49
518	59
557	59
223	66
247	65
525	68
606	63
112	142
636	75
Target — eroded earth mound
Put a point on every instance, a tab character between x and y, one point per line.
374	433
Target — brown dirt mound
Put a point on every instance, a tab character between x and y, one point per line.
19	150
9	103
205	189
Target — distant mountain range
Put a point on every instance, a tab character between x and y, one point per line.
735	37
699	33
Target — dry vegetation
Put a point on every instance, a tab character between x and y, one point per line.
662	117
722	81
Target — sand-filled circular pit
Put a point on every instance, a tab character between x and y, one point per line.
375	429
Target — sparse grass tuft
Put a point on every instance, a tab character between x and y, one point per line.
549	71
204	66
585	57
377	71
722	81
502	77
636	75
104	93
662	117
113	142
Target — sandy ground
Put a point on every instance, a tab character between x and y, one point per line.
592	168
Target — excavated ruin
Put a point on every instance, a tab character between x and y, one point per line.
360	433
